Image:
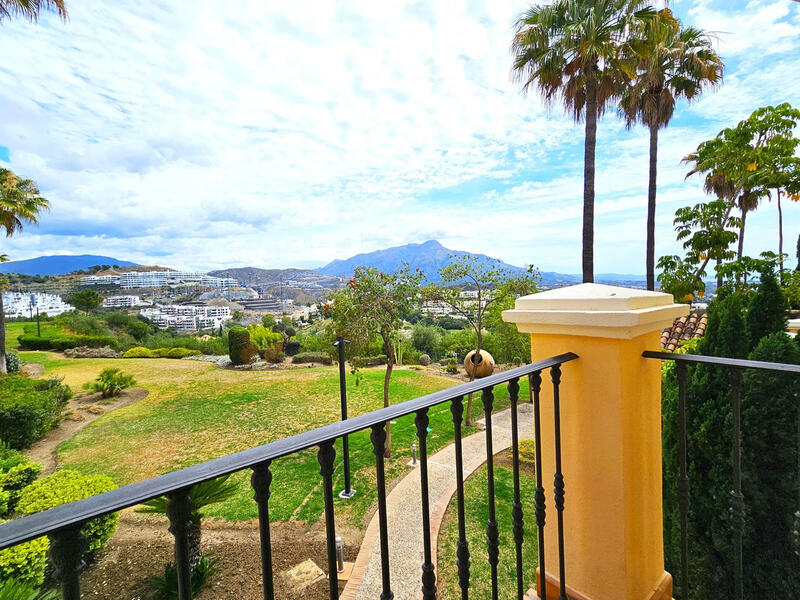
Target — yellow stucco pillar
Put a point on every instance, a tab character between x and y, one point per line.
610	436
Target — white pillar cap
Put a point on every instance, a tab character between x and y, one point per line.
595	310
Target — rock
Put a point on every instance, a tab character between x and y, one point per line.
86	352
304	574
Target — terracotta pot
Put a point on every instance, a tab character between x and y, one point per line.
483	364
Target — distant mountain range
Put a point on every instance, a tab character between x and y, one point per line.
60	264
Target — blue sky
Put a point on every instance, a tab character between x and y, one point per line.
290	134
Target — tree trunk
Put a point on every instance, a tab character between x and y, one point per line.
588	178
719	275
2	334
740	252
194	536
389	366
651	210
780	238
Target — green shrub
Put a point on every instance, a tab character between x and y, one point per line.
111	382
451	367
138	352
291	347
16	479
273	354
67	486
527	452
166	587
64	342
182	353
240	350
312	357
29	408
25	562
12	362
14	589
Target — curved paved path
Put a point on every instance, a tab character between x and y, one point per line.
404	508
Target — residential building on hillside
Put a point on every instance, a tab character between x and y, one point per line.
187	317
23	304
124	301
157	279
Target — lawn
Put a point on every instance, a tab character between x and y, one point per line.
196	412
17	328
476	514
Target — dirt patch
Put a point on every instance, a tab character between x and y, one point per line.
142	546
32	370
80	411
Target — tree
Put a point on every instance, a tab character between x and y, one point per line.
768	310
672	63
574	50
488	284
86	300
20	204
30	9
373	303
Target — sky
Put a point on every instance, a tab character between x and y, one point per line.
185	134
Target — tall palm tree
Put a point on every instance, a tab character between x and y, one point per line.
672	63
30	9
572	50
20	204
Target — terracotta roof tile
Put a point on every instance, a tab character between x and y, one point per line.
684	329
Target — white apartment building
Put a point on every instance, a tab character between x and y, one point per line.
25	304
157	279
187	317
124	301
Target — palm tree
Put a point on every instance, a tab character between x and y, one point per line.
30	9
573	50
20	203
672	63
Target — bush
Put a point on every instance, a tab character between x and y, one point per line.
273	354
14	480
67	486
374	361
25	562
138	352
312	357
12	362
13	589
63	342
527	452
166	587
240	350
424	360
182	353
111	382
767	311
291	347
29	408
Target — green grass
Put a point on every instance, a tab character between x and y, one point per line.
196	412
476	515
17	328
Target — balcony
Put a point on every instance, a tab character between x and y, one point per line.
596	409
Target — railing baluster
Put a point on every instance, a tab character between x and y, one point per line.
737	498
261	481
462	551
179	509
66	553
428	575
683	479
325	456
378	438
516	510
535	382
555	374
492	535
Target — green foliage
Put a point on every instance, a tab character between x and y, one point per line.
63	342
139	352
86	300
16	473
81	324
427	339
458	343
25	562
12	362
14	589
67	486
111	382
240	350
202	494
29	408
263	337
312	357
792	288
768	310
142	352
165	587
268	321
527	452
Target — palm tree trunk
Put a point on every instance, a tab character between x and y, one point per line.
194	536
389	365
740	252
780	238
651	210
2	334
588	178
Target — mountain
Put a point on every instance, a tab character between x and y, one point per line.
429	257
59	264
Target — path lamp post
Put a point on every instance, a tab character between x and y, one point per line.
347	492
34	303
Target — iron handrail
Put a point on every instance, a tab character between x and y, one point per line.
724	362
62	517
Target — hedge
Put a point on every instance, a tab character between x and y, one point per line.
63	342
12	362
29	408
240	350
14	481
312	357
142	352
25	562
67	486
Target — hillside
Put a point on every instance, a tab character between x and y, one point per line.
253	276
429	257
59	264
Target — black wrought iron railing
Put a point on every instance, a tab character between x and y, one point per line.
735	368
64	523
